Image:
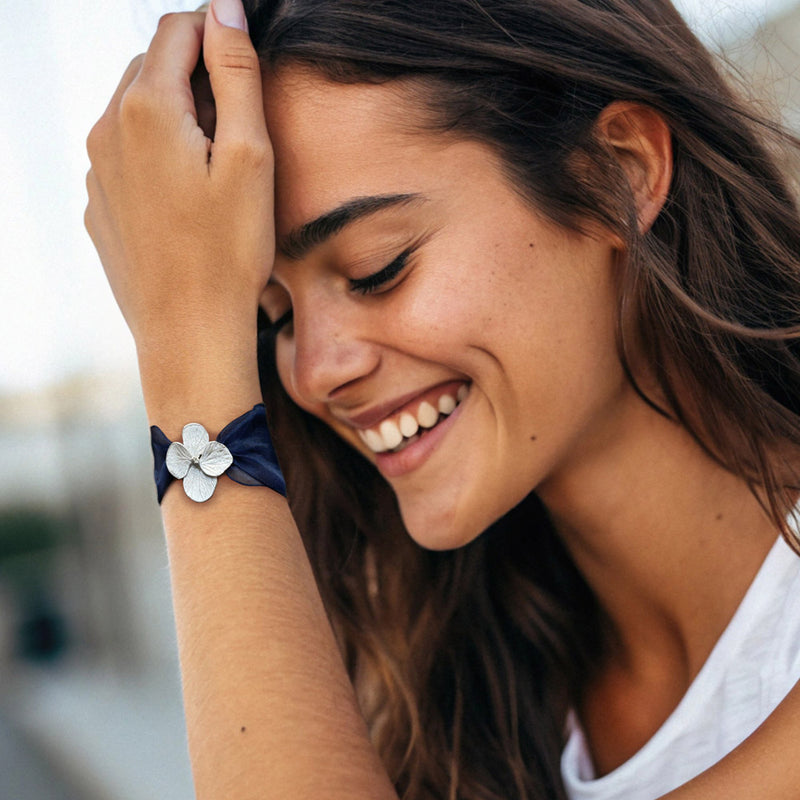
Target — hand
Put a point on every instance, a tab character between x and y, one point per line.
183	224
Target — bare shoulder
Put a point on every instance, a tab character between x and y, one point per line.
765	765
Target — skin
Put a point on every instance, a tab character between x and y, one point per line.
489	267
455	311
189	270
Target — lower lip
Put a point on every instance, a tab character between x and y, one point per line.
393	465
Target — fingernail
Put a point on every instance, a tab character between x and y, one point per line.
229	13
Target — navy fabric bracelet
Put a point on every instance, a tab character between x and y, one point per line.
247	438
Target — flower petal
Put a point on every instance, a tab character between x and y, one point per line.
195	437
178	460
215	459
197	485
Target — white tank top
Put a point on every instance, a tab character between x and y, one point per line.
750	670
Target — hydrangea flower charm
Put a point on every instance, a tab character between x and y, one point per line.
198	462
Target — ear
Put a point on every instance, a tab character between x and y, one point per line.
641	139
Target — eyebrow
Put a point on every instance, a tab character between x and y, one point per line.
301	240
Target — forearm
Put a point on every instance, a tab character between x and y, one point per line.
270	711
184	228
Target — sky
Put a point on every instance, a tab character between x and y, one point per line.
62	61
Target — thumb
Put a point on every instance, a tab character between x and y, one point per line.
235	75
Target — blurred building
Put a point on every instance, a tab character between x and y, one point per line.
88	668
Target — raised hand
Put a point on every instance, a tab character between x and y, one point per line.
184	224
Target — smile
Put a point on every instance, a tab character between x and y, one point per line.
405	427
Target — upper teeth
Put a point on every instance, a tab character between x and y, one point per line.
408	424
447	404
427	415
392	432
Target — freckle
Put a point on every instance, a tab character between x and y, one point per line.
533	438
719	516
530	244
243	729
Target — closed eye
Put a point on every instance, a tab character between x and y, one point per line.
372	283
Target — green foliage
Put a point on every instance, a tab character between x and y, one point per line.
25	531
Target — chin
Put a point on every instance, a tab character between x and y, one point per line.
444	526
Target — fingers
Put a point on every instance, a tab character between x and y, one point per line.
157	82
235	74
95	217
175	48
163	84
128	77
204	100
97	136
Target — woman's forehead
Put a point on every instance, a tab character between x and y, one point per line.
334	142
302	106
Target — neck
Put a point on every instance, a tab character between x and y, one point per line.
668	539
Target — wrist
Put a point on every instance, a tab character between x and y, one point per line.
212	383
243	450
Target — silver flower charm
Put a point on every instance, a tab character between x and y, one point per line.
198	462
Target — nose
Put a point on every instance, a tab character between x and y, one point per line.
332	350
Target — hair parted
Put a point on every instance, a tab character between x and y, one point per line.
466	662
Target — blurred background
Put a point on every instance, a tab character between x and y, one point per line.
90	703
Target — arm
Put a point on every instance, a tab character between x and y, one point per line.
184	230
765	765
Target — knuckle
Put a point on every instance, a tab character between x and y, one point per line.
136	104
238	58
174	19
90	212
94	190
96	139
170	18
90	222
136	62
252	151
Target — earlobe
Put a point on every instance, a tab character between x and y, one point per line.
642	142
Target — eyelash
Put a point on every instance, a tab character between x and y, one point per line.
372	283
369	285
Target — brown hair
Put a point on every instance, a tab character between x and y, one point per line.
465	662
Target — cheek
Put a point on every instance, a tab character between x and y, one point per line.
480	290
445	309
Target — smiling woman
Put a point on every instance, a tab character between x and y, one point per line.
528	313
442	321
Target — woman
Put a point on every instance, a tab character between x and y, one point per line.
530	296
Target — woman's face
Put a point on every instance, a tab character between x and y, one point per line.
439	324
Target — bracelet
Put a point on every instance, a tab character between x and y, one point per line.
243	450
